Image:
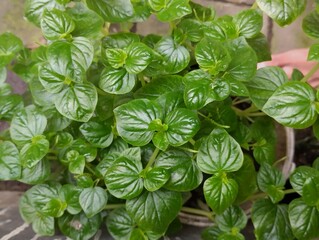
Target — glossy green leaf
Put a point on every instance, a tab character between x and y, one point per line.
93	200
54	208
265	83
76	162
85	149
79	227
243	64
202	13
300	176
246	178
310	191
87	22
159	86
219	152
198	94
248	22
99	134
172	10
27	124
221	29
139	57
112	10
53	82
310	24
282	11
44	225
182	124
261	46
56	24
32	153
155	210
34	8
77	102
220	192
271	181
119	224
141	11
184	172
192	28
116	57
123	178
133	119
292	105
10	168
231	236
9	105
304	219
232	218
211	233
119	40
37	174
271	220
212	56
116	81
5	89
313	54
70	194
10	45
84	181
155	178
176	57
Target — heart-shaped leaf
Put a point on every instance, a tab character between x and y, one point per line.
232	218
9	46
300	176
93	200
119	224
99	134
249	23
155	178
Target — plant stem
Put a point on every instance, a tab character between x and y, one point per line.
114	206
192	141
88	167
152	159
241	101
188	150
263	195
310	73
212	121
198	212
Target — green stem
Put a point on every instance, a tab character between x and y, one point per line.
280	160
263	195
198	212
241	101
114	206
310	73
256	114
192	141
88	167
188	150
152	159
212	121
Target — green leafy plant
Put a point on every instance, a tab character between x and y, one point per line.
129	130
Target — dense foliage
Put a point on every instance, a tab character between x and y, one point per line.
123	129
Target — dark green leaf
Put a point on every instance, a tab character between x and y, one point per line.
155	210
243	63
246	178
139	57
313	54
304	220
260	45
70	194
221	29
123	178
202	13
85	149
32	153
84	181
10	45
212	56
112	10
34	8
219	152
310	191
310	24
172	10
300	176
231	236
232	218
176	57
116	81
265	83
155	178
133	119
27	124
211	233
249	22
77	102
192	28
271	221
93	200
119	224
10	168
119	40
184	173
87	22
220	192
79	227
292	105
282	11
99	134
56	24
